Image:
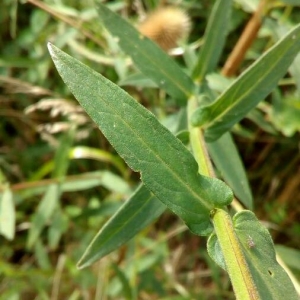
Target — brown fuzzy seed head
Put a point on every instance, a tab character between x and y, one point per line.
166	26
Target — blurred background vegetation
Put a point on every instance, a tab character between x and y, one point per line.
46	138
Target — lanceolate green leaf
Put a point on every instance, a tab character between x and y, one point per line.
214	39
227	160
270	279
136	213
147	56
167	168
249	89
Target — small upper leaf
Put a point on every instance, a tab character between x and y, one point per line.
227	160
147	56
167	168
214	39
248	89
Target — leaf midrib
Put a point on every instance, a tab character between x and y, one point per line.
119	228
158	158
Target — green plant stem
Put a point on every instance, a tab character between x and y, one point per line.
236	264
198	143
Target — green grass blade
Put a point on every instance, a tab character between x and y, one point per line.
7	214
140	210
147	56
227	160
249	88
61	159
214	39
167	168
42	257
127	290
52	194
43	214
59	225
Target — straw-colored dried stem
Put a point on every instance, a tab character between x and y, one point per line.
248	36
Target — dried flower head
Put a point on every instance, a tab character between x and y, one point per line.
166	26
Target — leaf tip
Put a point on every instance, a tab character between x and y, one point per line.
51	49
81	264
49	46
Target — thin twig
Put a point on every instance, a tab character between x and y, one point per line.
246	39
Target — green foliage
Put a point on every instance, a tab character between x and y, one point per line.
67	196
261	258
147	56
140	210
269	277
249	89
167	168
228	162
285	115
215	34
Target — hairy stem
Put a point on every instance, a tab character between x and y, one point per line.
236	265
198	143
